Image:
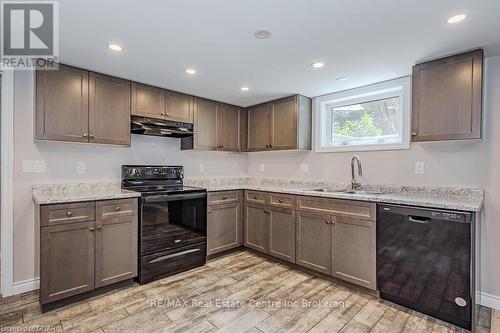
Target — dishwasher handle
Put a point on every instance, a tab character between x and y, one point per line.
419	219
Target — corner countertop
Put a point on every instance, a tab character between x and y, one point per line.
65	193
464	199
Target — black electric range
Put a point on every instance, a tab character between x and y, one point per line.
172	220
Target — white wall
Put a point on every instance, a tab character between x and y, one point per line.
449	164
467	164
102	164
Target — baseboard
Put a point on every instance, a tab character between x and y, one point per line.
25	286
490	301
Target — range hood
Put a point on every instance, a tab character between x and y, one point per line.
160	127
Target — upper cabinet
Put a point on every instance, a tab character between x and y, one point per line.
81	106
281	124
216	127
447	98
148	101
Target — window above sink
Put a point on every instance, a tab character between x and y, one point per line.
375	117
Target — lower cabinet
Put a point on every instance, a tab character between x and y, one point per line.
66	260
282	233
314	241
115	250
77	256
270	230
224	226
353	251
256	227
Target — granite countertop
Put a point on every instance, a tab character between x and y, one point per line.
65	193
464	199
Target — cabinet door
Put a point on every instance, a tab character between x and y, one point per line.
224	227
314	241
62	110
259	127
147	101
353	251
282	233
66	260
256	227
228	118
205	124
179	107
284	123
109	110
447	98
116	250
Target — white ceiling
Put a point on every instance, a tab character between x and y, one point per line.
366	41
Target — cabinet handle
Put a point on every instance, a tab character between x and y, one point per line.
413	133
167	114
69	214
210	211
327	222
99	227
332	221
255	197
267	146
117	208
91	135
224	198
85	135
163	113
270	146
92	229
222	146
280	201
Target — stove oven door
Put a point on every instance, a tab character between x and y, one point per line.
171	221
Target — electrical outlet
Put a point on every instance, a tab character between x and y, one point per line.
202	168
419	168
30	166
304	168
80	168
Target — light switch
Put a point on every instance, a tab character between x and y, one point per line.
419	168
304	168
80	168
202	168
30	166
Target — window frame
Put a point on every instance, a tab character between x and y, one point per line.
400	87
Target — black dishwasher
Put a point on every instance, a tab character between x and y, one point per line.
425	261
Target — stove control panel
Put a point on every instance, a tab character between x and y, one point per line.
152	172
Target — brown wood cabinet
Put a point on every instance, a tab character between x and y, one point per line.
282	233
353	251
62	104
179	107
256	227
148	101
281	124
81	106
447	98
216	127
314	241
77	256
66	260
225	221
109	110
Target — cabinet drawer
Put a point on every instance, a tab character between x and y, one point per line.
256	197
282	200
348	208
112	208
223	197
66	213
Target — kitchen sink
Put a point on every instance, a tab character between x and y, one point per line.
333	190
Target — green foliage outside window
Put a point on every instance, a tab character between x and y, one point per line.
362	127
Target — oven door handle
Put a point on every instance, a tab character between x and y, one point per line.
169	256
174	197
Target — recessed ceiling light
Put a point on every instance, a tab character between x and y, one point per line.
190	71
115	47
317	65
262	34
342	79
244	88
457	18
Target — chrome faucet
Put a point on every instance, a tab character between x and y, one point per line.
355	184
